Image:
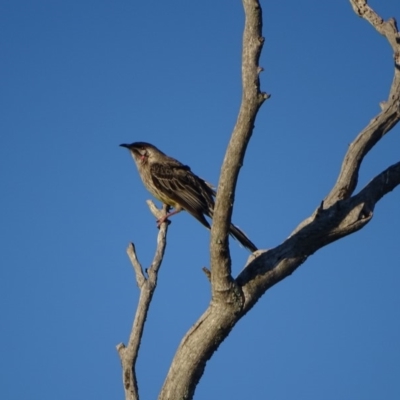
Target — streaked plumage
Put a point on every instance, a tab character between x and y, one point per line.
176	185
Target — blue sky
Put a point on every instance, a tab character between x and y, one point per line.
79	78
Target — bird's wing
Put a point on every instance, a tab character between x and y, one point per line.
176	181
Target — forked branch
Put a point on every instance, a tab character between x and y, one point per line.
382	123
147	285
331	224
340	214
205	336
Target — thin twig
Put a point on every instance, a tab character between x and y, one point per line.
128	354
140	278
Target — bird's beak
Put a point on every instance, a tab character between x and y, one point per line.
124	145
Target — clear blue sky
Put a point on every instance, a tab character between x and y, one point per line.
80	77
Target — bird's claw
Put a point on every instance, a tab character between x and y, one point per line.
162	220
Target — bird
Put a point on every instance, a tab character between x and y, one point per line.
175	185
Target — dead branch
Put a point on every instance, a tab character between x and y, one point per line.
252	99
128	354
339	215
382	123
203	339
336	222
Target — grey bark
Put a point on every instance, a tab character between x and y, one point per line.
340	214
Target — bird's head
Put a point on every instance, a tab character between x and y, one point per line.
142	151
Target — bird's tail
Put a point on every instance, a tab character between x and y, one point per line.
242	238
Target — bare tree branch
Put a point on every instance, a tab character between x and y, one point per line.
205	336
252	99
339	215
382	123
334	223
381	185
140	278
128	354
